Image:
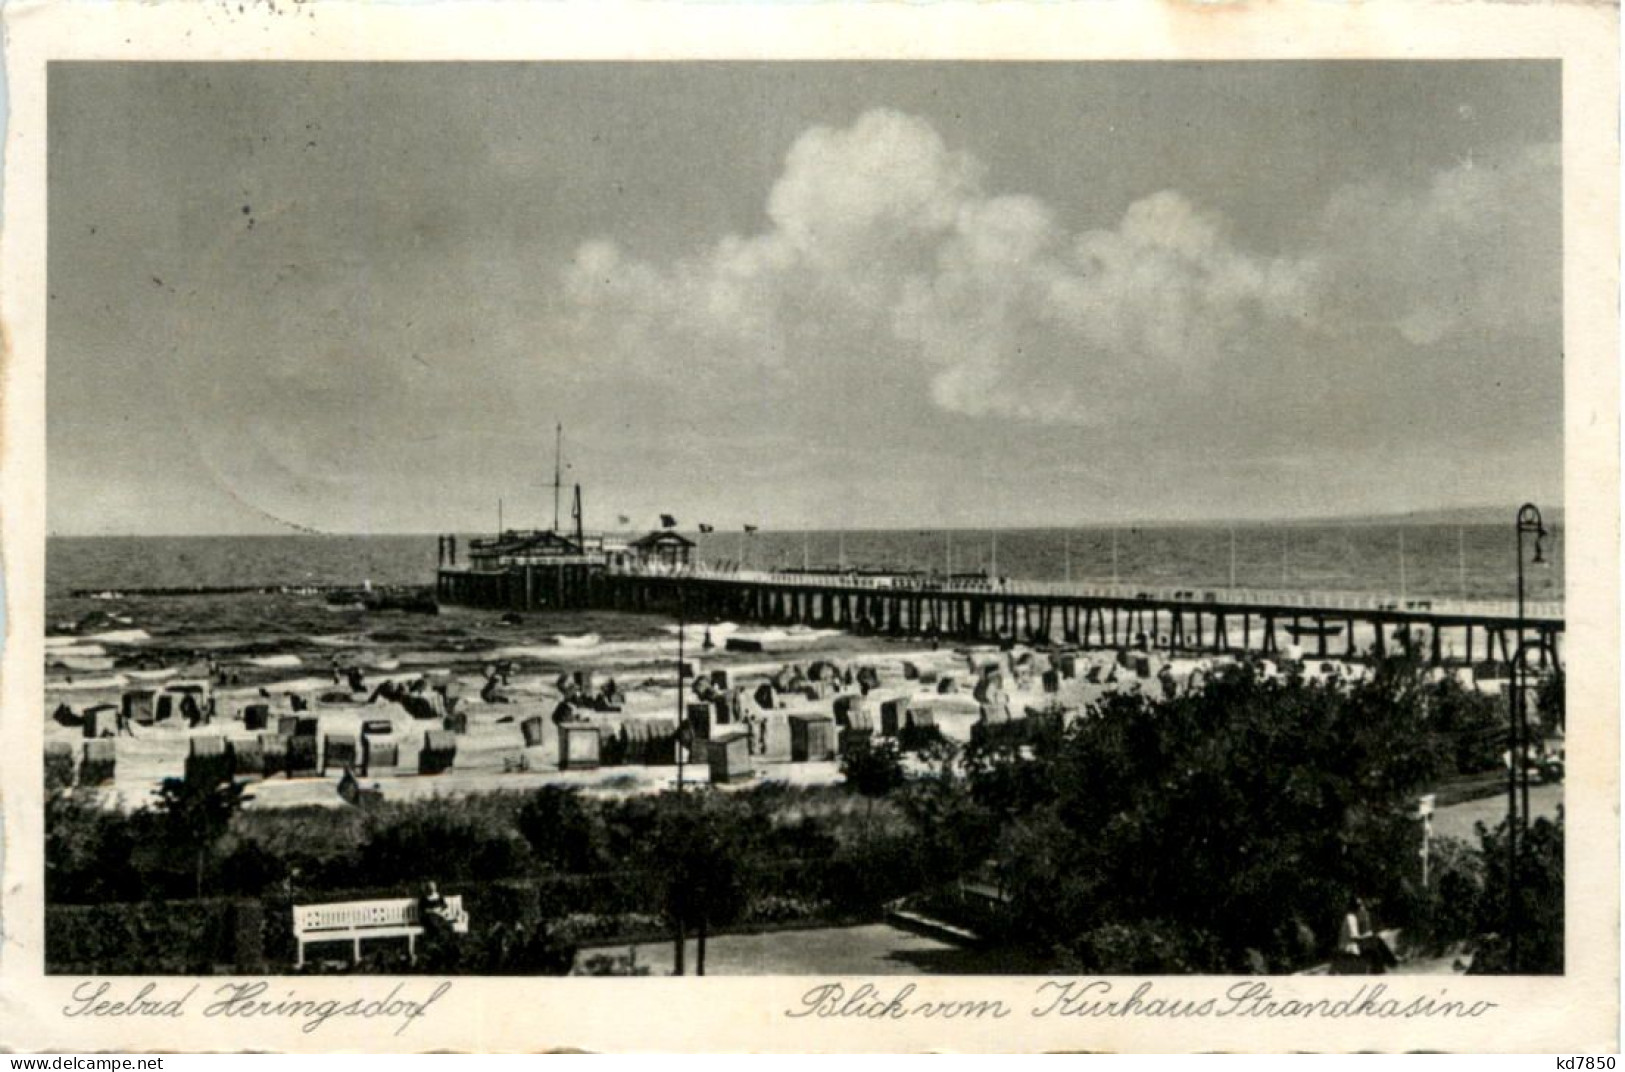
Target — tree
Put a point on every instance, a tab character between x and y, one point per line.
1551	699
1238	818
562	830
1537	896
701	870
196	814
875	771
1471	725
87	852
955	833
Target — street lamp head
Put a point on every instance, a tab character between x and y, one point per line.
1540	558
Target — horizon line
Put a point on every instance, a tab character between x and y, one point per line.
1323	519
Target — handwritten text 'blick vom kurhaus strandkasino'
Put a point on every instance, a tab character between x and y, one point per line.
1099	998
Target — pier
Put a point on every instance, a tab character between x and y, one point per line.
1333	625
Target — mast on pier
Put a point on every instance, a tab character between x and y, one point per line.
558	470
1402	565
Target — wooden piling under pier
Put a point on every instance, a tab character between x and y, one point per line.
1184	626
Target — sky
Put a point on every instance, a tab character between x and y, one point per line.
359	297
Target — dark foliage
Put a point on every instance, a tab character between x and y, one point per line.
1537	897
139	939
1234	821
874	771
195	814
1551	699
563	833
59	772
1471	726
700	867
427	840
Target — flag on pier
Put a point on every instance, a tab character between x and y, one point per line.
704	528
623	520
667	521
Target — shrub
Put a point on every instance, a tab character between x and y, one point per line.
873	771
1233	813
605	964
1451	906
430	840
1146	947
861	877
590	928
88	852
58	772
1538	893
195	814
1551	699
1472	726
562	831
153	938
777	908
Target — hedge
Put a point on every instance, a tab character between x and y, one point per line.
147	938
189	937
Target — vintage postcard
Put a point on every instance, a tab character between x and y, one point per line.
999	527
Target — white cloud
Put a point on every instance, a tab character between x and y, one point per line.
1474	253
883	246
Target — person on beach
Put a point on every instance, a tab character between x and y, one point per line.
491	693
1170	687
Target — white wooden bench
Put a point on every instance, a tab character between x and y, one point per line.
351	921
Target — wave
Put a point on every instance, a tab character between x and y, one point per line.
80	662
275	661
74	651
251	693
584	640
117	681
121	636
718	629
439	658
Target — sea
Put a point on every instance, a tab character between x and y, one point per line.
1419	561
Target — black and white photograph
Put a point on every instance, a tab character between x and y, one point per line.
805	518
905	535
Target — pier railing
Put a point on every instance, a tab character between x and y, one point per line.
1308	600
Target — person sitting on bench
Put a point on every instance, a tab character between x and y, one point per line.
433	912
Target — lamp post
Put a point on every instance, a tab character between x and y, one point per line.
685	740
1529	524
684	733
